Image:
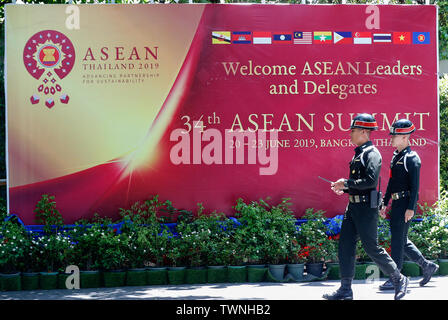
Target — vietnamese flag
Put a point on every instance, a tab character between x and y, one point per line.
402	38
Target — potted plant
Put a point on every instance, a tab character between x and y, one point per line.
48	215
112	258
281	233
30	271
86	237
158	236
12	242
176	255
332	262
441	210
296	260
136	253
361	265
219	250
427	232
314	241
236	270
53	250
195	236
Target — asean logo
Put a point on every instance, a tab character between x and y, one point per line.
49	56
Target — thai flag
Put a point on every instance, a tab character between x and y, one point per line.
382	37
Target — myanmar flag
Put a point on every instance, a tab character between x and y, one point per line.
402	38
322	37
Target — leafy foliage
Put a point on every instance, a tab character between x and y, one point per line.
47	214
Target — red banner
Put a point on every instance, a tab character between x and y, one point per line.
228	101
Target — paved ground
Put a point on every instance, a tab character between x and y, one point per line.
436	289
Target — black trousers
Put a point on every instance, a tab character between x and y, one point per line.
361	222
400	243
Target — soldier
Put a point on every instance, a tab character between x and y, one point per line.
361	216
403	188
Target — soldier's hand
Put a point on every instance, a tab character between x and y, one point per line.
338	185
408	215
383	212
338	192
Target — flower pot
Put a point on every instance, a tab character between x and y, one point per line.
62	277
176	275
30	280
136	277
48	280
333	271
295	270
90	279
256	266
410	269
256	273
236	274
443	267
360	271
114	278
315	269
11	281
216	274
156	276
196	275
277	271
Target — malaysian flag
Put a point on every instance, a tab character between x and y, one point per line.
302	37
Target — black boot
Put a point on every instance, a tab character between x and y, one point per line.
400	283
429	268
388	285
343	293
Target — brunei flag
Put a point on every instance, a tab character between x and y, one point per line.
322	37
221	37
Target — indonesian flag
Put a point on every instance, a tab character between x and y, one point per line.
261	37
402	38
362	38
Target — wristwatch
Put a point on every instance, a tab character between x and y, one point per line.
346	184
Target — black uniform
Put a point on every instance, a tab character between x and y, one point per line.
403	188
361	217
360	220
404	185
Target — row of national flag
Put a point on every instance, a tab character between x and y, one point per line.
318	37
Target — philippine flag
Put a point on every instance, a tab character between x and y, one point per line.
362	38
420	37
261	37
341	37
